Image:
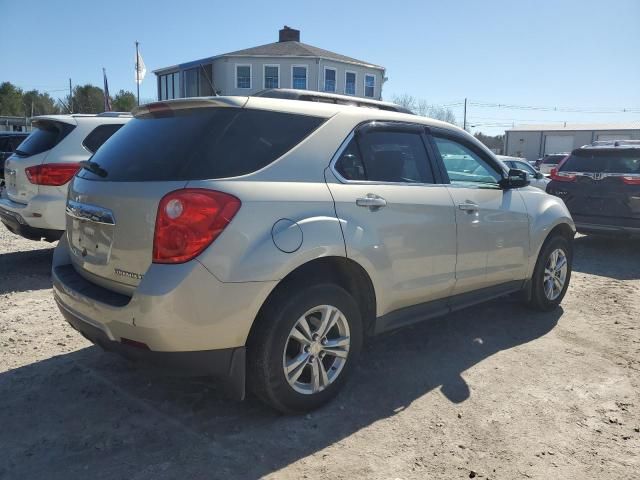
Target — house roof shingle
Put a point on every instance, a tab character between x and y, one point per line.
295	49
278	49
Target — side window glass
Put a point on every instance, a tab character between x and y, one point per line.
463	165
99	135
350	165
386	156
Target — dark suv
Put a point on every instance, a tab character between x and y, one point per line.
9	141
600	184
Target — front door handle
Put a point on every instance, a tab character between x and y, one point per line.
469	207
372	201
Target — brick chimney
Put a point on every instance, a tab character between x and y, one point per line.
288	34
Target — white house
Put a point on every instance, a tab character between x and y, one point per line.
287	63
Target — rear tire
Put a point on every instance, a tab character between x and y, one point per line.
552	274
297	362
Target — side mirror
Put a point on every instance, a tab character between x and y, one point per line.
515	179
539	176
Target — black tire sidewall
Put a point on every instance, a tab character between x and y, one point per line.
284	313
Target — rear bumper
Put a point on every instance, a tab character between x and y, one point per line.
42	212
182	314
14	221
227	364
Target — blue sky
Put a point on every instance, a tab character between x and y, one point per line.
574	55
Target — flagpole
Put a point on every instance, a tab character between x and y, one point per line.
137	72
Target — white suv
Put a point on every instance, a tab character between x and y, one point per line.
38	173
213	231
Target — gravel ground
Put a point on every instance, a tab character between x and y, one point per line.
496	391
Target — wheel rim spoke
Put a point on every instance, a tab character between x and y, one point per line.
303	327
324	379
295	367
338	347
298	335
315	376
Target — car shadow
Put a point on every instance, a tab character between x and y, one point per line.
26	270
92	413
612	257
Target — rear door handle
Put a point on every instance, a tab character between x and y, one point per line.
372	201
469	207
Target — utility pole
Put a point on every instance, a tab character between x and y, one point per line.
464	122
138	72
70	106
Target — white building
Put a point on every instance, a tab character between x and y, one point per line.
287	63
534	141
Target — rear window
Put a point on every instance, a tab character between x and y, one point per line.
46	135
603	161
552	159
99	135
199	144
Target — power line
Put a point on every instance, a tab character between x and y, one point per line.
593	110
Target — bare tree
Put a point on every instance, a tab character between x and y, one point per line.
424	109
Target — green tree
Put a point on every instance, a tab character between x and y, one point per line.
36	103
11	100
86	99
495	143
124	101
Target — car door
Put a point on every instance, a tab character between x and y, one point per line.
397	218
492	223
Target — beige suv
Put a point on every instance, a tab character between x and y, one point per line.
265	238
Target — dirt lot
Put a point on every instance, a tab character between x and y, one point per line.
492	392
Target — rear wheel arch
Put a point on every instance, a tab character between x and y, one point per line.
344	272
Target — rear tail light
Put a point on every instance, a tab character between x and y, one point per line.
52	174
188	221
562	176
631	179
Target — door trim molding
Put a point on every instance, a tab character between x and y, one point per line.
437	308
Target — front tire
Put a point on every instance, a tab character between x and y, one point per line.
552	274
303	347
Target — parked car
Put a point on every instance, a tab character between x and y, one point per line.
549	162
9	141
266	238
38	173
600	185
536	178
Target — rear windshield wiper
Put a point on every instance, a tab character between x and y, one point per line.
93	167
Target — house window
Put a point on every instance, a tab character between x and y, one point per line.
169	86
299	77
243	76
272	76
350	83
329	79
191	83
369	85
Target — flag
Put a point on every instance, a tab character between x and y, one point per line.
107	98
141	69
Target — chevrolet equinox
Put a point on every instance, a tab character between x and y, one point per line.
261	240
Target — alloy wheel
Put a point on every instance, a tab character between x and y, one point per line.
555	274
316	349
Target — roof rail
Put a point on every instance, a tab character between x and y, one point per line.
322	97
614	144
114	114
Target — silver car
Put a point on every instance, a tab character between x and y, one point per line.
262	240
536	178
